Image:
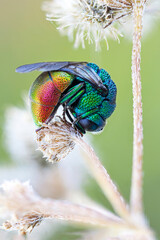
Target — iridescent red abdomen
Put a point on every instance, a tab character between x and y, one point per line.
45	93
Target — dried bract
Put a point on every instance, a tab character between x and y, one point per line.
25	224
56	140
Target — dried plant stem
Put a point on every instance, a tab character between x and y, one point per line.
105	182
136	188
66	211
77	213
29	210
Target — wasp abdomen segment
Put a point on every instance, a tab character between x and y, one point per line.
45	93
61	80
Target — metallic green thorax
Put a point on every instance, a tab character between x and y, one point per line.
93	99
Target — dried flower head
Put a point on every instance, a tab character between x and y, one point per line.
92	19
24	198
56	140
95	20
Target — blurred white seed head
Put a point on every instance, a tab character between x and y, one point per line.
56	140
19	135
91	20
150	17
152	14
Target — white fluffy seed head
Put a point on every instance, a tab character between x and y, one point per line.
91	20
56	139
96	20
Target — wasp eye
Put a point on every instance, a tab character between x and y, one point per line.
88	125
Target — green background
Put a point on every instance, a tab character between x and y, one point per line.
26	37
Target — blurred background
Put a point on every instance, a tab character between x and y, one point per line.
26	37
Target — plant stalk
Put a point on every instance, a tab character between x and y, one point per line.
136	188
104	180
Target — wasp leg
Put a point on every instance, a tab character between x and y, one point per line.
66	112
75	123
86	114
38	129
75	97
74	93
68	99
52	114
69	115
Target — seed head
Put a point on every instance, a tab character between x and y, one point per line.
56	140
93	20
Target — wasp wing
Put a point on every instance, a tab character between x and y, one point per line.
45	66
87	73
79	69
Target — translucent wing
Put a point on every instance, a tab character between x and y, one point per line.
45	66
79	69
